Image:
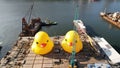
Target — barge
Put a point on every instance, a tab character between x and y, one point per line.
113	18
21	55
31	28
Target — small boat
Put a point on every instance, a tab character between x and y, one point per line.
113	18
0	48
48	23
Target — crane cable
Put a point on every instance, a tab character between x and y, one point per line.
29	12
32	6
72	58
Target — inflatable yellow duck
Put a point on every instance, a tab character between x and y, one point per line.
72	38
42	43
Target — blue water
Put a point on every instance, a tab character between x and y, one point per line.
61	11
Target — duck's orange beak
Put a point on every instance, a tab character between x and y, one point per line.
70	44
43	45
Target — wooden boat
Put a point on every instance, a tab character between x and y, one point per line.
111	18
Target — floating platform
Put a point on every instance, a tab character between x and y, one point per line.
22	56
109	19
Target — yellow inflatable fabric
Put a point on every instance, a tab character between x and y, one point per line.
42	43
72	38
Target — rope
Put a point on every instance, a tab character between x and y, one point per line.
29	12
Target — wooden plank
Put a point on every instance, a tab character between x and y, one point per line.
47	65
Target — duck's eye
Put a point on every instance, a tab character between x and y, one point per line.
65	39
47	40
36	42
75	41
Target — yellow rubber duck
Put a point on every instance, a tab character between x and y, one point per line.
72	38
42	43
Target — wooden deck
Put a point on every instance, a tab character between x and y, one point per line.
21	56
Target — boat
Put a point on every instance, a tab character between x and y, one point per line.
113	18
48	22
0	48
21	55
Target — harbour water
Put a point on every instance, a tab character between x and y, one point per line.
61	11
